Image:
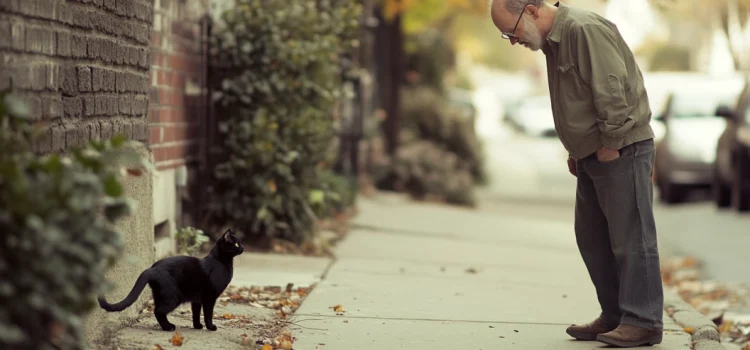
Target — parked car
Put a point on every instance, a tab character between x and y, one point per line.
686	153
731	185
659	85
533	116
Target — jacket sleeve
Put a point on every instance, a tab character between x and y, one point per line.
602	66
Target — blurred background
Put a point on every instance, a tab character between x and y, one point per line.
694	56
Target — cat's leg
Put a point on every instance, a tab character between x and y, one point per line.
208	313
196	315
162	306
164	322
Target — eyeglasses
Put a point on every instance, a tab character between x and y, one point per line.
512	34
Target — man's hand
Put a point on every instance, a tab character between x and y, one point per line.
572	166
605	154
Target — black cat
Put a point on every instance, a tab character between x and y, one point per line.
181	279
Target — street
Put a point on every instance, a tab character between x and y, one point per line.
530	178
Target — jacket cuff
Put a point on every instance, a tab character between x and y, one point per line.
613	142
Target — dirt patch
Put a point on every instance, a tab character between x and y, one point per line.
247	318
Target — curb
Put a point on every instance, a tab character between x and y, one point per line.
704	332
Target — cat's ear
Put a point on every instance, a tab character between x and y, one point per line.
226	235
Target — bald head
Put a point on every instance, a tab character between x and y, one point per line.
522	21
514	7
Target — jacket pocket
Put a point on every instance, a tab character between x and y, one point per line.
576	103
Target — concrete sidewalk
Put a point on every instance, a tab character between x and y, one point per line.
423	276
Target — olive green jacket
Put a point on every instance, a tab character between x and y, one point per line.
596	87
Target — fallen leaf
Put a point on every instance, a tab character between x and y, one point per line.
285	344
689	262
471	270
689	330
235	297
726	326
338	308
272	185
268	347
177	339
228	316
157	347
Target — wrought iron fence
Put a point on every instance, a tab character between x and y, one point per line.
351	125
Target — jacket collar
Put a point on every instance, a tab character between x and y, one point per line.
556	33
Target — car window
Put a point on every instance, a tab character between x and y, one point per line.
700	104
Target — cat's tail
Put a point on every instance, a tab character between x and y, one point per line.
140	283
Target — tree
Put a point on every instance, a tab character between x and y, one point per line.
732	16
399	17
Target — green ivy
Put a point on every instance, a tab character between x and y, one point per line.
56	217
276	73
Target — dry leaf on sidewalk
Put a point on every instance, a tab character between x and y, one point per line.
471	270
246	340
268	347
338	308
285	340
177	339
157	347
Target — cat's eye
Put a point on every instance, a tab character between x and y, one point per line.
237	245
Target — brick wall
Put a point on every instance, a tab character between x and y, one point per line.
178	73
81	64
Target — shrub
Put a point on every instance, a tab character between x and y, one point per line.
275	68
56	216
426	115
190	240
425	170
341	192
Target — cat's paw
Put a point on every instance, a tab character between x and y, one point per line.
197	326
211	327
169	327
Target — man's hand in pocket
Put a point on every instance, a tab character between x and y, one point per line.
572	166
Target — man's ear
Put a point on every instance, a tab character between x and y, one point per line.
533	11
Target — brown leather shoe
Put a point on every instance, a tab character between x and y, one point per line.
590	330
627	336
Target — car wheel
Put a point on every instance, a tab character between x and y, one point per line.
740	194
721	192
671	193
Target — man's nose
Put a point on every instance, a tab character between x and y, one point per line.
513	40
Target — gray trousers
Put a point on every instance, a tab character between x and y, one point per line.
616	235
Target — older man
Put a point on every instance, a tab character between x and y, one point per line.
602	117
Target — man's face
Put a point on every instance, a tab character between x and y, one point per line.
525	32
